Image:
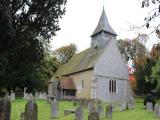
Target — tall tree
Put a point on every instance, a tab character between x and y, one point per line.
156	74
65	53
22	24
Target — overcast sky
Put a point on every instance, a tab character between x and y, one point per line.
82	16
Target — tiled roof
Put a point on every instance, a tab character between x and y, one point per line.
80	62
67	83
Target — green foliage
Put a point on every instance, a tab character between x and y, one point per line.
149	98
47	70
22	24
65	53
156	74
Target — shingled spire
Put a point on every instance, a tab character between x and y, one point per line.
103	25
103	33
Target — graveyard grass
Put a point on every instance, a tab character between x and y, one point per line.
139	113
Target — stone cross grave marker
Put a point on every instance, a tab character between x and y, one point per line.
54	108
79	114
109	110
5	109
31	110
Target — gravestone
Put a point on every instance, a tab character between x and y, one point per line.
93	116
22	116
149	106
83	102
157	111
31	111
12	97
54	108
36	95
109	110
40	95
99	108
123	106
91	105
7	95
44	96
30	96
79	114
5	109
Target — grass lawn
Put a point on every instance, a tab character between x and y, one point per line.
139	113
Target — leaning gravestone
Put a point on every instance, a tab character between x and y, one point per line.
31	111
79	114
157	111
54	108
93	116
5	109
109	110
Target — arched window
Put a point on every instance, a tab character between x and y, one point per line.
112	86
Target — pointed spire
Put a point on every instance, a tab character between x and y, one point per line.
103	25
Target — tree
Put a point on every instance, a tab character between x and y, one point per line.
154	14
156	74
47	70
135	50
65	53
22	24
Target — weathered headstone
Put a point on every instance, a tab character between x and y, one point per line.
157	111
22	116
79	114
31	110
54	108
31	97
36	95
109	110
83	102
40	95
93	116
149	106
99	108
91	105
5	109
44	96
12	97
123	106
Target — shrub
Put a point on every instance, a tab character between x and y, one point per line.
149	98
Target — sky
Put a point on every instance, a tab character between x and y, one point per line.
82	16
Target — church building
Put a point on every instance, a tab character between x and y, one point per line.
98	72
